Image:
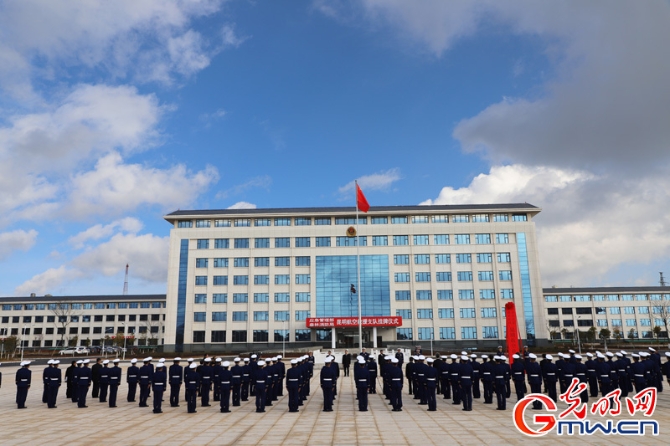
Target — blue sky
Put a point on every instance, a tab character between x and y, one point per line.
113	114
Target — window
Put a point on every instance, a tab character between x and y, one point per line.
466	294
616	322
401	259
322	221
641	310
96	318
490	332
400	240
379	220
442	258
502	238
631	323
303	261
628	310
401	277
425	333
615	310
422	277
282	222
282	261
505	275
201	263
351	241
241	243
239	316
220	280
554	323
447	333
489	312
282	316
282	242
351	221
480	218
483	239
464	276
463	258
566	310
241	262
302	297
402	295
261	261
302	279
198	336
303	335
445	313
281	335
504	257
262	279
221	243
468	332
398	220
199	316
580	310
240	280
460	218
443	276
519	217
220	298
643	322
203	223
380	240
261	297
420	239
420	219
441	239
222	223
203	244
424	313
262	222
445	295
239	336
200	298
218	336
240	298
282	297
405	314
301	315
185	224
220	263
261	316
487	294
485	276
242	222
403	334
302	221
219	316
500	217
640	297
201	280
262	242
424	295
467	313
282	279
302	242
462	239
565	298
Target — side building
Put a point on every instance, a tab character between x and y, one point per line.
260	278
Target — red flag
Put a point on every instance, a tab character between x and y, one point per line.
361	202
512	330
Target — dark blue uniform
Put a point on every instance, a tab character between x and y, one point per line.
23	379
500	373
444	371
146	375
465	383
361	377
103	383
534	374
293	379
395	382
475	378
550	378
372	381
225	379
454	377
205	384
246	377
487	379
430	387
192	382
83	383
519	377
580	373
132	378
592	377
327	384
261	379
175	373
114	383
237	383
159	382
54	379
75	382
603	372
45	381
216	380
638	375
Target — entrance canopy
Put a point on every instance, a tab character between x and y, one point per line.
344	322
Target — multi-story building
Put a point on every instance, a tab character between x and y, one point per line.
52	321
251	278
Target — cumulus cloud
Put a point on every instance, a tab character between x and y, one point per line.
16	240
376	181
242	205
47	282
97	232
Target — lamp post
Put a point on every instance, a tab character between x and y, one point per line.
579	344
23	334
283	340
125	338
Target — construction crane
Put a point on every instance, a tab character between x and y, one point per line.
125	283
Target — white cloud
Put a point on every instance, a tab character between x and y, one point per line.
242	205
229	38
47	282
263	182
376	181
16	240
97	232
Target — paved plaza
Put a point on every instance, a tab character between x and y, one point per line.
129	424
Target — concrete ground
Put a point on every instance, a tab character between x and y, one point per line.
129	424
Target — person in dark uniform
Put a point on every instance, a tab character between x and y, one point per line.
216	380
518	375
69	380
580	373
486	371
500	373
114	382
437	363
400	357
75	380
246	377
103	380
83	383
293	386
146	375
591	375
420	373
159	384
550	377
95	377
282	374
409	372
253	365
365	354
132	378
372	381
603	371
327	380
346	362
444	371
261	380
430	385
175	373
622	374
45	380
454	378
465	382
336	370
569	371
396	383
23	380
269	370
191	383
237	382
500	351
534	373
189	361
206	382
225	378
637	370
55	379
361	376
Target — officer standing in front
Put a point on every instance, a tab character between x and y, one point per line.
176	372
261	378
500	372
159	381
361	376
54	382
465	383
518	375
192	382
83	383
132	378
327	382
430	385
237	381
346	362
45	380
534	373
225	378
146	374
206	382
114	382
23	379
103	380
550	377
396	383
293	386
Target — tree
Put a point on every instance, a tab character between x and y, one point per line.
604	333
591	334
632	333
152	329
72	342
86	342
657	331
9	344
617	334
662	312
63	312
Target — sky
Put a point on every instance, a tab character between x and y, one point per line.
113	114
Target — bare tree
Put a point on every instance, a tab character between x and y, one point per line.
662	312
153	330
63	312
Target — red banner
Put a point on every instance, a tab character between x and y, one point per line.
512	330
344	322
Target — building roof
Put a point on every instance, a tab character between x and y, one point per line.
67	299
605	290
352	210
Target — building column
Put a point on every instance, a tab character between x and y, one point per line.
374	337
333	339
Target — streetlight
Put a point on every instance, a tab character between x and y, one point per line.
283	340
579	344
125	338
23	334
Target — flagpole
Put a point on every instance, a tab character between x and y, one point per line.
358	275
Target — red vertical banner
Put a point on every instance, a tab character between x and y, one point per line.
512	330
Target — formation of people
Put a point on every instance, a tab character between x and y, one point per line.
459	377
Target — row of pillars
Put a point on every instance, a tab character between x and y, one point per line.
333	338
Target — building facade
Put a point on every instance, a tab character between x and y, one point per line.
55	321
256	278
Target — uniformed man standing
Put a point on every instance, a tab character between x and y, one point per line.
83	383
70	388
225	378
75	380
206	382
346	362
253	365
580	373
518	375
534	374
159	381
400	357
591	375
54	382
146	375
465	382
603	372
408	373
430	385
192	382
95	377
550	377
637	370
365	355
114	382
293	386
189	361
372	382
282	375
104	380
361	376
45	380
261	379
23	380
237	381
327	382
454	378
396	379
132	378
216	380
246	377
487	379
175	373
500	371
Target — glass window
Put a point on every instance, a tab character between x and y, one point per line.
241	262
441	239
303	261
350	241
462	239
401	259
282	279
460	218
421	259
220	280
398	220
480	218
242	222
282	261
490	332
261	297
379	220
422	277
483	239
380	240
500	217
282	297
302	297
443	276
447	333
440	219
201	263
402	295
302	221
403	334
202	244
261	316
466	294
200	280
198	335
301	315
631	323
200	299
445	295
240	335
400	240
221	243
419	219
487	294
519	217
261	279
303	335
281	335
220	263
467	313
425	332
218	316
616	322
420	239
281	316
185	224
322	221
282	222
642	310
240	298
203	223
424	295
262	222
401	277
502	238
302	242
241	243
628	310
220	298
468	332
442	258
239	316
350	220
261	261
404	313
505	275
463	258
445	313
261	242
218	336
302	279
485	276
615	310
199	316
464	276
222	223
504	257
283	242
489	312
